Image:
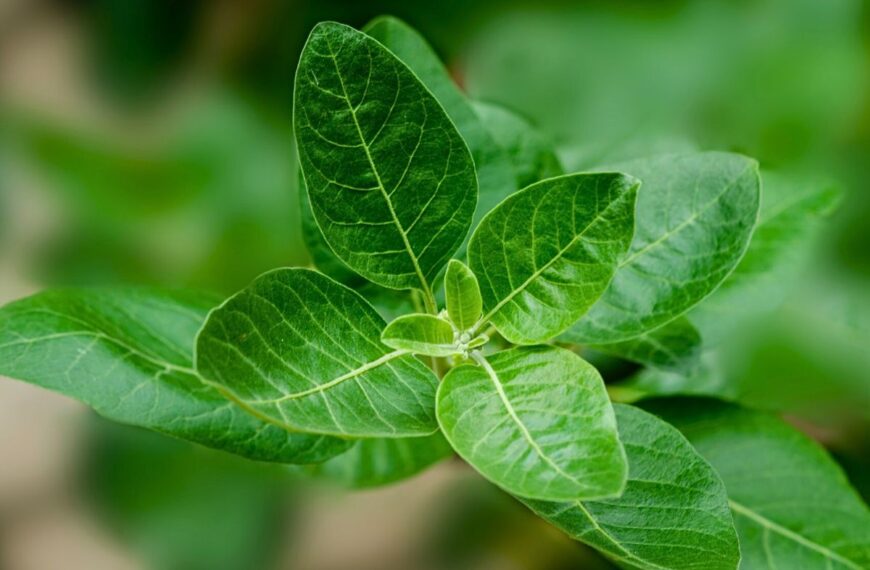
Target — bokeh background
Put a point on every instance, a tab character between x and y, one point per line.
149	141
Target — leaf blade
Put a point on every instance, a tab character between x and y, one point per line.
72	341
464	304
421	334
493	415
561	261
305	351
354	132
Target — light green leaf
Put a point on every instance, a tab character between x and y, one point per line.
792	505
695	215
304	352
377	462
536	421
548	252
420	334
673	347
532	156
464	305
389	178
791	209
127	353
494	170
674	511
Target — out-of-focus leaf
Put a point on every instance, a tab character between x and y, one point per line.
674	346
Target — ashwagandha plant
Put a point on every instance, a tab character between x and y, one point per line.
398	168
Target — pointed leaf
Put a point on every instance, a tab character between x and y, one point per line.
537	422
464	305
376	462
548	252
128	353
420	334
792	505
674	511
494	171
532	156
695	215
390	180
673	347
303	351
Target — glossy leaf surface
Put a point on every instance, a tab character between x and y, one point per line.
536	421
420	334
674	511
128	353
695	216
304	352
792	505
548	252
390	180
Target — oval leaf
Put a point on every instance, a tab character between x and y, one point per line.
548	252
792	505
421	334
303	351
390	180
128	354
377	462
464	305
537	422
673	513
695	215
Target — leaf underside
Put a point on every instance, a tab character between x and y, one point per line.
421	334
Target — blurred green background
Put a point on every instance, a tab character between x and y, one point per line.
149	141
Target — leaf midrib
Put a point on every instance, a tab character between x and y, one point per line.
790	534
629	556
423	281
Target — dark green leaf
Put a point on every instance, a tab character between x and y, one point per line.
464	305
548	252
376	462
537	422
695	215
494	171
304	352
127	353
420	334
673	513
675	346
532	156
390	180
792	505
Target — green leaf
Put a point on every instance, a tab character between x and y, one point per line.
304	352
377	462
548	252
532	156
536	421
420	334
673	347
127	353
464	305
695	215
494	170
389	178
673	513
791	211
792	505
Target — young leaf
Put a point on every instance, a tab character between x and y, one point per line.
464	304
673	513
377	462
127	353
695	215
494	171
420	334
673	347
304	352
791	210
390	180
531	155
548	252
792	505
537	422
